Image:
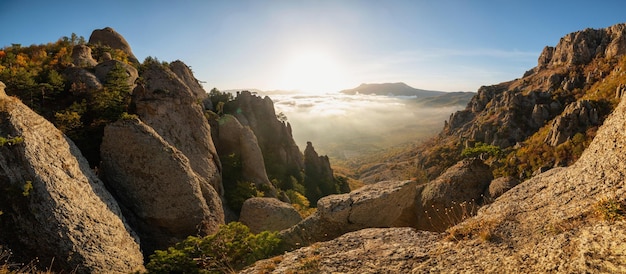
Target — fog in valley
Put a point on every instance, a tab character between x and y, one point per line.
348	126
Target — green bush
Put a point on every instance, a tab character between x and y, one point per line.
232	248
481	149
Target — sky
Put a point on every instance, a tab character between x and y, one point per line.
323	46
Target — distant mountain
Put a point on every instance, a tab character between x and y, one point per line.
448	99
394	89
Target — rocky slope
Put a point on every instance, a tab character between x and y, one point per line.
54	206
565	220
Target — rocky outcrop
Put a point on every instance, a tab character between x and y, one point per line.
109	37
373	250
576	117
318	176
499	186
55	209
82	79
339	214
81	56
280	151
102	71
185	74
156	184
167	105
454	195
582	46
239	141
268	214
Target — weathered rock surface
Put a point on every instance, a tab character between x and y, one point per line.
156	184
185	74
82	79
103	69
454	195
280	151
339	214
167	105
576	117
109	37
373	250
55	208
81	56
261	214
499	186
233	138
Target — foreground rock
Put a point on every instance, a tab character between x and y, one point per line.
156	184
54	207
454	195
339	214
373	250
261	214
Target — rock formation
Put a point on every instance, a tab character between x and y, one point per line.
280	151
339	214
103	69
318	176
167	105
454	195
54	207
239	141
185	74
499	186
156	184
268	214
576	117
81	56
109	37
82	77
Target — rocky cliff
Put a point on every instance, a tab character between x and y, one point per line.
109	37
54	206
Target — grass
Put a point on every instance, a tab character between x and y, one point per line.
481	229
609	209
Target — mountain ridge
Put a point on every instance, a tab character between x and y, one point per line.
393	89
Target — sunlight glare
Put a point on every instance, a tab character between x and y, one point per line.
312	71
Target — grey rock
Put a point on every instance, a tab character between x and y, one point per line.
82	79
109	37
268	214
103	69
68	217
81	56
156	184
499	186
575	118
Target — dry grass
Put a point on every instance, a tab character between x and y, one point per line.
609	209
481	229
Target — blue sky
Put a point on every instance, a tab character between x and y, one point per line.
323	45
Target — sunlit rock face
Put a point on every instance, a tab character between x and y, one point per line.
56	211
109	37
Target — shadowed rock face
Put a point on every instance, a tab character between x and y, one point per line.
156	184
109	37
81	56
167	105
67	215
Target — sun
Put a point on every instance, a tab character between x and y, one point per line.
313	71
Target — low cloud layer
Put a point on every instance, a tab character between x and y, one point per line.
346	126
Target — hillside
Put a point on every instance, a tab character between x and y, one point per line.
447	99
393	89
565	220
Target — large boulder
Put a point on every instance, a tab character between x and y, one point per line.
167	105
454	195
185	74
339	214
499	186
156	184
235	139
82	79
261	214
81	56
109	37
56	212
